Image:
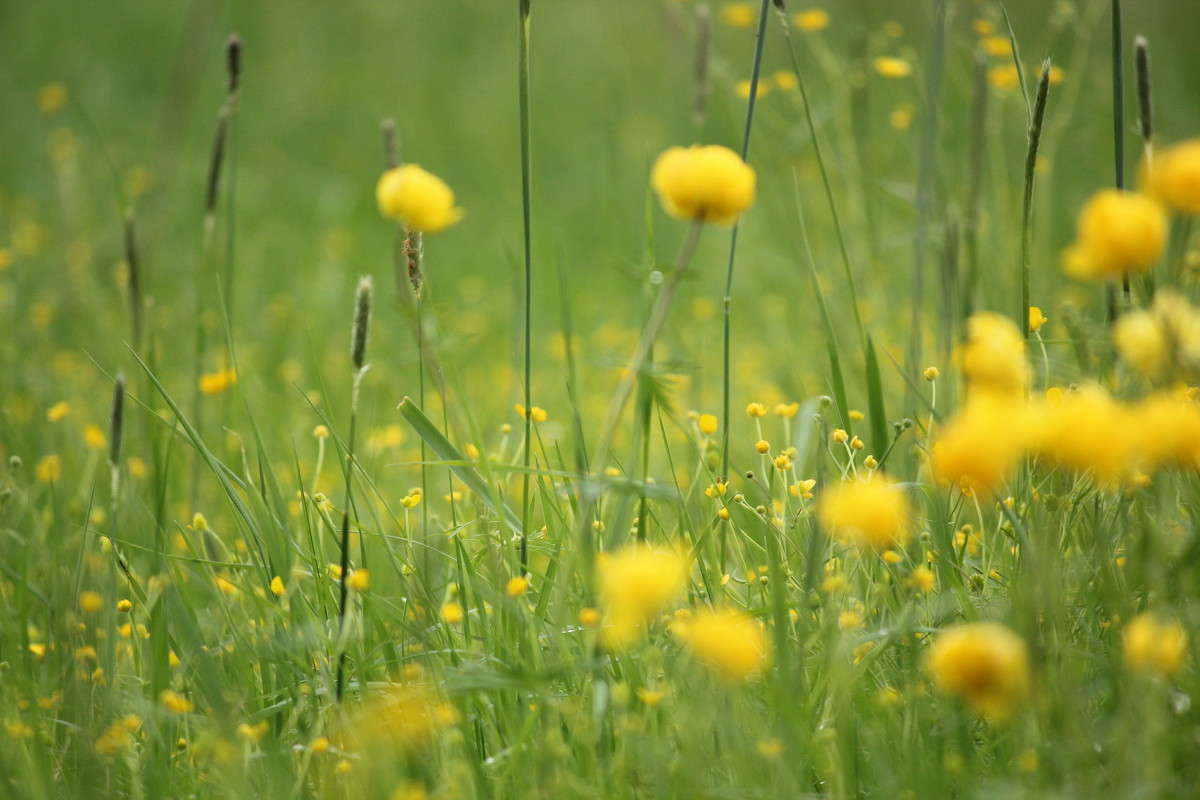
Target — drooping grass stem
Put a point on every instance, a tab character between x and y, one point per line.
755	74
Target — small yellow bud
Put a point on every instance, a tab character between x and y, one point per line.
707	424
763	446
932	374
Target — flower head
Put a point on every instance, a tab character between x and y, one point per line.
416	198
634	584
983	662
1155	646
872	513
993	357
1118	233
1174	176
728	642
969	452
708	183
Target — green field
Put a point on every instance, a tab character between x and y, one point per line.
747	544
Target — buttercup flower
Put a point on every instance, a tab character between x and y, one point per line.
871	513
1154	646
416	198
730	643
634	584
984	663
1118	233
709	183
1174	176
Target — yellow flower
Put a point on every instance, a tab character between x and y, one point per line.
815	19
787	410
993	357
1036	319
756	410
785	81
871	513
996	46
743	89
52	97
48	468
1155	646
359	580
893	67
634	584
763	446
1117	233
738	15
174	701
983	27
728	642
1174	176
417	199
1004	77
58	412
452	613
93	437
124	606
213	383
708	183
1168	433
91	602
922	578
1087	431
399	719
1162	338
537	414
277	587
970	454
516	586
901	117
983	662
708	424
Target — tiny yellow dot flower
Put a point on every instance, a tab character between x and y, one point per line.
1004	77
893	67
870	462
52	97
983	27
783	463
277	587
252	733
173	701
856	443
58	412
996	46
516	586
785	81
91	602
763	446
787	411
215	383
802	489
932	374
707	424
756	410
814	19
417	199
724	514
743	89
706	183
840	436
227	588
321	432
855	416
738	15
48	469
650	697
411	500
359	580
717	489
452	613
589	617
923	579
850	620
1154	646
342	767
124	606
901	117
94	438
319	745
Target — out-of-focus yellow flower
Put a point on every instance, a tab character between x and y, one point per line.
214	383
983	27
996	46
732	644
993	357
872	513
58	412
1004	77
971	454
1088	432
785	81
359	580
94	438
901	117
814	19
1174	176
709	183
985	663
91	602
1168	432
52	97
890	67
634	584
417	199
1155	646
277	587
173	701
516	586
738	15
707	424
48	468
537	414
1117	234
400	719
1162	339
452	613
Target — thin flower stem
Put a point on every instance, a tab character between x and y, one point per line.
523	78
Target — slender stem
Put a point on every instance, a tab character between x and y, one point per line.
759	40
1034	139
344	565
523	82
1118	80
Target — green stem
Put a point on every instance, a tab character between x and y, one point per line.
523	78
1034	139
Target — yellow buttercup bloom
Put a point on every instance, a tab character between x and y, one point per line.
707	424
634	584
815	19
993	357
983	662
417	199
730	643
893	67
1086	431
872	513
970	454
1118	233
1155	646
1174	176
738	15
709	183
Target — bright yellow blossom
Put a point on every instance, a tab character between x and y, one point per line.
893	67
872	513
634	584
1155	646
730	643
417	199
985	663
814	19
707	183
1117	234
1174	176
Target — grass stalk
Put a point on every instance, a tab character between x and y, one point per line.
1118	87
526	227
1034	139
755	75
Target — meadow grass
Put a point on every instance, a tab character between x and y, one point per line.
563	508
